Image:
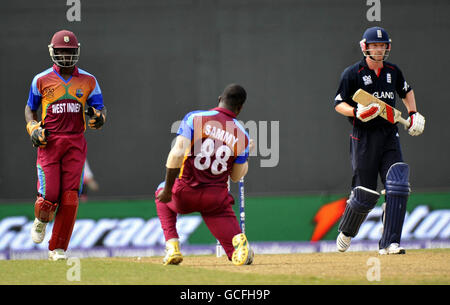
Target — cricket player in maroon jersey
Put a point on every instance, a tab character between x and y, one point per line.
211	146
63	91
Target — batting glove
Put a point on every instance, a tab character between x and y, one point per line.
416	123
97	119
367	113
37	134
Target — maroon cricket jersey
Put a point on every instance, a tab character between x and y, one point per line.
63	101
218	141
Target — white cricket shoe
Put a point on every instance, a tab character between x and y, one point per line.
57	255
242	254
38	231
173	254
393	248
343	242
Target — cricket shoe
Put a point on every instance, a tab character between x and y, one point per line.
173	254
38	231
57	255
343	242
393	248
242	254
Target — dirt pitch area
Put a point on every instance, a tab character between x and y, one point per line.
415	267
361	268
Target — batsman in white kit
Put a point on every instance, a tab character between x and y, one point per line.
375	141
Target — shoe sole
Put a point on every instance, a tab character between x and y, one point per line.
342	248
402	251
240	254
37	240
251	255
174	260
57	259
341	245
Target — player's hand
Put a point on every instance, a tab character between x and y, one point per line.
38	135
367	113
416	123
96	118
164	196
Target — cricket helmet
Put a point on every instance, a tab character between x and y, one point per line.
375	34
64	40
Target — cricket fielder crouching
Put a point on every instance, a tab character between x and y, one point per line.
63	91
211	146
374	142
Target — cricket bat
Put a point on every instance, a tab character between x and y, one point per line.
387	112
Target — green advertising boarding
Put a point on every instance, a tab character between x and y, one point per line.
305	219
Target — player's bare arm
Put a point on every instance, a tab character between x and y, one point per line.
30	115
345	109
410	101
173	165
240	170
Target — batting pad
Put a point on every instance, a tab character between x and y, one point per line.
397	193
361	202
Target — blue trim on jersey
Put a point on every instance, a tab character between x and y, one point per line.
190	120
35	97
35	79
81	71
96	101
65	81
41	177
242	158
97	89
34	100
161	185
80	186
241	127
186	128
95	98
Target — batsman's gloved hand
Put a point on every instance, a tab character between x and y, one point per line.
367	113
416	123
96	118
37	134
